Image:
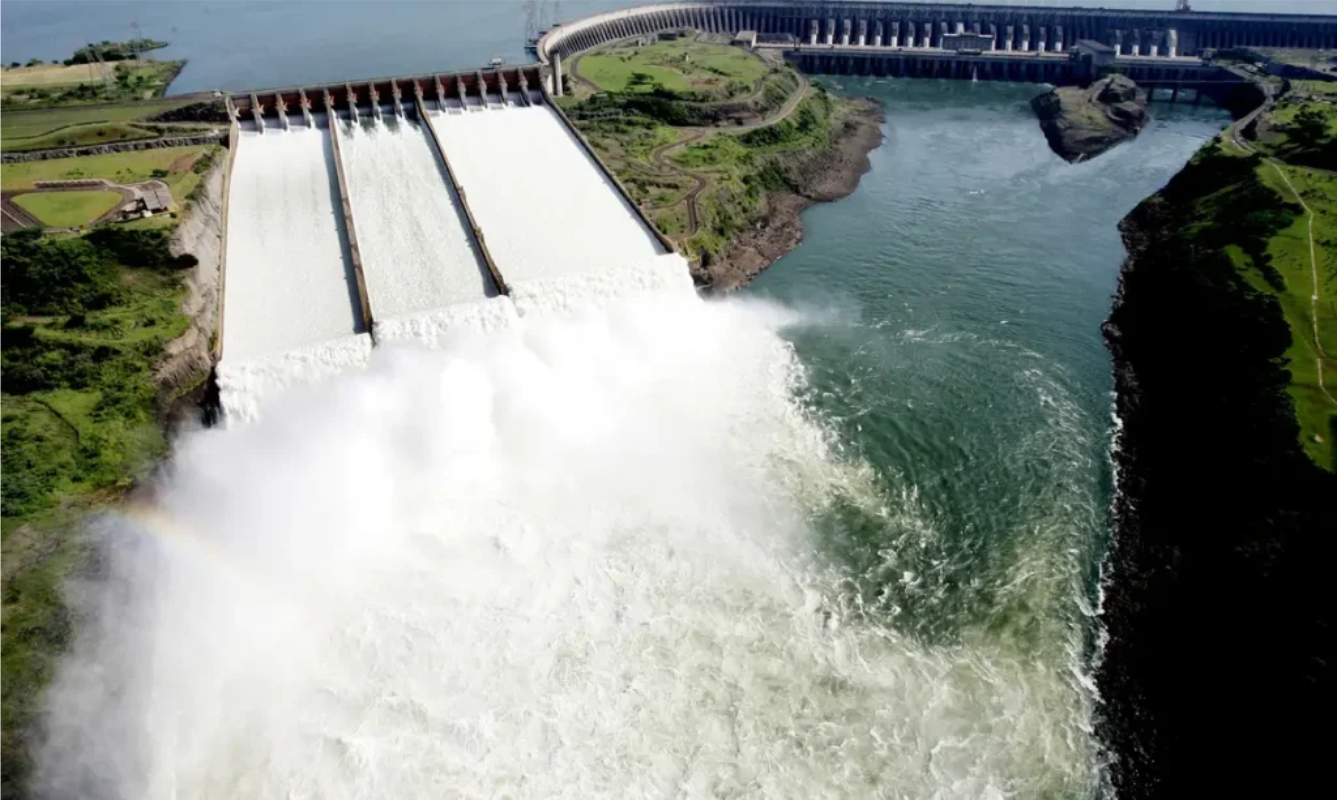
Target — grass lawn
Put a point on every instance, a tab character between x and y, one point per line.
14	78
79	85
24	124
1317	414
120	167
680	66
79	135
68	209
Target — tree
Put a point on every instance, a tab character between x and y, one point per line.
34	62
1310	127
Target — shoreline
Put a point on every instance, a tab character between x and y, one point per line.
821	176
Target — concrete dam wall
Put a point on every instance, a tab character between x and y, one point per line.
1031	29
405	209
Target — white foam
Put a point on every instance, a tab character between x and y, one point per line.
416	252
544	205
287	284
571	558
431	328
246	385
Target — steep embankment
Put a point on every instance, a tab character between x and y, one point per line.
1219	623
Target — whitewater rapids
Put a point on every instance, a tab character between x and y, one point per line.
574	557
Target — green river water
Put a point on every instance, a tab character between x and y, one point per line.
952	337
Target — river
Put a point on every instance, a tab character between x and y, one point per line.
608	586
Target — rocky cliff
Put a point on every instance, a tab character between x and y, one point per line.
189	358
1219	620
1083	123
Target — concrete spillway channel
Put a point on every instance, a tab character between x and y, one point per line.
293	309
546	205
410	218
420	253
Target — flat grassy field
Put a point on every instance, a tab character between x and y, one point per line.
15	78
119	167
79	84
78	136
68	209
16	124
681	66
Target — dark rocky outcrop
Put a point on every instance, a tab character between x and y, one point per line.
1081	123
1216	678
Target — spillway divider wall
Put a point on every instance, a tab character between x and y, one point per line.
364	299
233	143
474	230
658	235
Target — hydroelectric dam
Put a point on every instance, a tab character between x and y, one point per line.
395	209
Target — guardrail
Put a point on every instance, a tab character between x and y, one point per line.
474	229
354	254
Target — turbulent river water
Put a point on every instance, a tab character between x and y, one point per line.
835	536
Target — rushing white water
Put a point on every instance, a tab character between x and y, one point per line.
545	207
416	251
287	282
246	385
569	557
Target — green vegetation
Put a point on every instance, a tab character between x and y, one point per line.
662	126
181	168
86	84
19	125
85	319
81	135
115	51
68	209
707	71
1251	211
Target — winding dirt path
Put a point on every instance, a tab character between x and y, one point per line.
1320	355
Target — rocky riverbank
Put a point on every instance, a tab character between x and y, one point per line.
1081	123
1219	627
814	176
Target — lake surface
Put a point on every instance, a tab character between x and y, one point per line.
251	45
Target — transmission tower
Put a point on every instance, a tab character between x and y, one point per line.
1182	5
136	39
531	20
